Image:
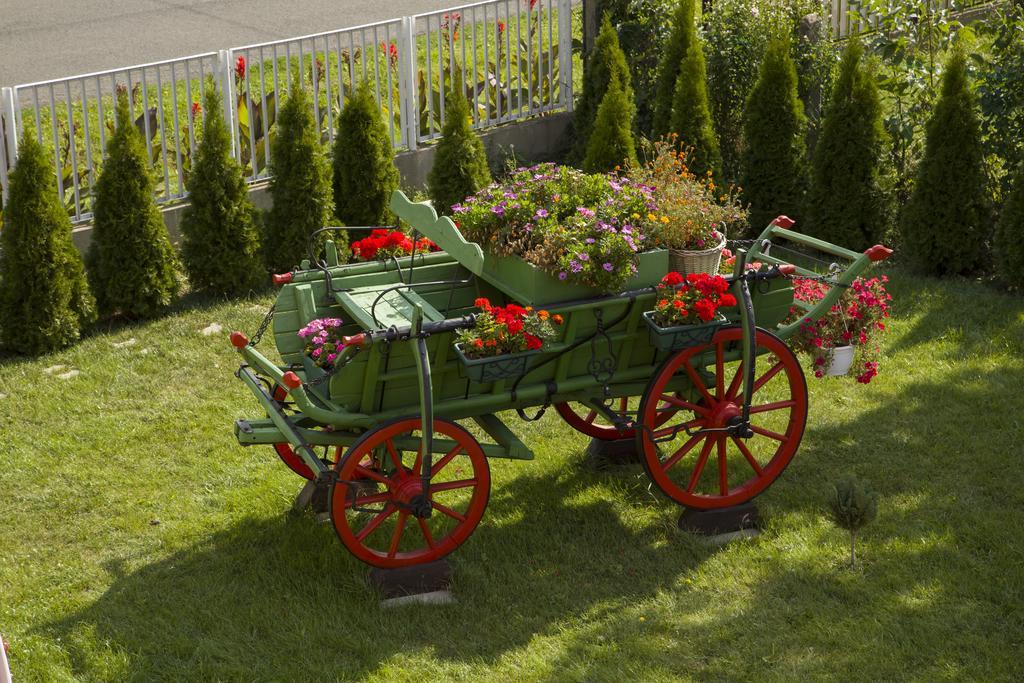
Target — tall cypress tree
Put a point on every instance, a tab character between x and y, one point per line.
683	34
45	301
611	143
1009	242
300	184
605	62
220	238
364	163
460	163
691	114
945	222
774	177
131	262
847	205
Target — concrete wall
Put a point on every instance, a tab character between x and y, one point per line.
544	138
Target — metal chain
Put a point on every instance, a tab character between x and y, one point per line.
604	368
263	326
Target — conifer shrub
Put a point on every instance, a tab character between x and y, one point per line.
847	205
220	228
611	143
1009	242
945	222
300	184
605	63
460	163
364	163
679	40
853	505
45	302
130	261
773	174
691	115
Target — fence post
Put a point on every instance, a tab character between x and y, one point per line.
227	93
565	51
8	143
407	81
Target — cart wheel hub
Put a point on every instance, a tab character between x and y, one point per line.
409	489
723	413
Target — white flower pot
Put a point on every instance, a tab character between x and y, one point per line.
840	362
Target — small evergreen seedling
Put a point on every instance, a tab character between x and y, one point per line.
611	144
364	163
131	262
853	506
300	184
45	302
691	115
220	238
773	175
605	63
1010	233
684	33
460	163
946	221
847	204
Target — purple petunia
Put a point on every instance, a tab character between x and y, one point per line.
609	267
562	275
575	266
498	210
542	213
585	212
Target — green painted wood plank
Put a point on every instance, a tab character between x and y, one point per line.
422	218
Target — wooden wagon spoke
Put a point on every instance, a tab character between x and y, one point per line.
769	433
695	379
425	530
451	485
776	405
723	476
683	450
419	461
370	500
698	468
659	433
680	403
445	460
397	536
774	370
719	371
748	455
395	458
373	474
737	380
375	522
591	416
447	510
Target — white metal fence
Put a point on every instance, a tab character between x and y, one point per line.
513	57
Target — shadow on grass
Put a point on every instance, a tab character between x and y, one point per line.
280	598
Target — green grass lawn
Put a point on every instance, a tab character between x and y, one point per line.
139	541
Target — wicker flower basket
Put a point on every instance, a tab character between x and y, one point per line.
684	261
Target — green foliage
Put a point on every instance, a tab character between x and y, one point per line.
853	505
460	163
45	302
945	223
131	262
1009	242
611	143
605	64
773	162
1001	90
300	184
220	236
364	163
691	117
847	205
683	34
643	27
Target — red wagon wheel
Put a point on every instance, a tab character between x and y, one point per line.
380	526
586	420
678	463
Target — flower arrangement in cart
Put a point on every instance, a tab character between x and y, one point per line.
582	228
507	329
691	299
323	341
851	327
384	244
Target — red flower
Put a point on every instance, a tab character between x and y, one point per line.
240	67
483	303
672	279
532	343
501	26
196	109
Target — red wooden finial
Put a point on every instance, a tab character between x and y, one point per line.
291	380
282	279
878	253
784	222
239	340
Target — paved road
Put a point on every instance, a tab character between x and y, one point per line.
43	39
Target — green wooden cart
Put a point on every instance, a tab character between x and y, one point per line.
380	435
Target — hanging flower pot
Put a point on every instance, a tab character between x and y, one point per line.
840	361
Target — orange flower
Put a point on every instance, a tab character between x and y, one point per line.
557	319
543	314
